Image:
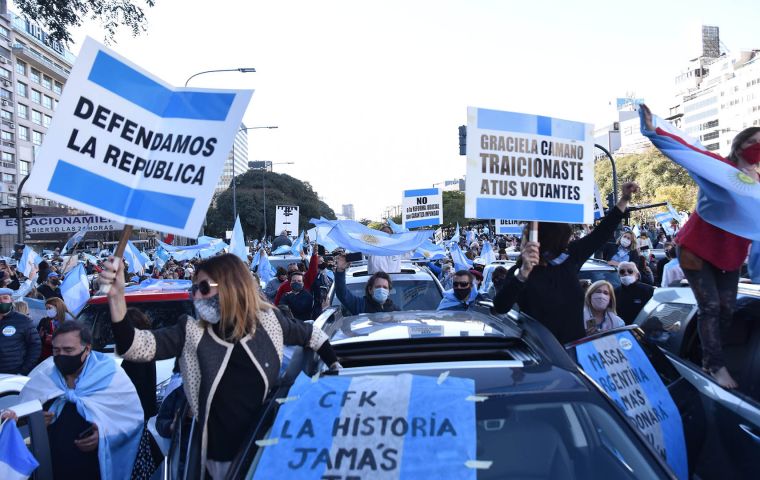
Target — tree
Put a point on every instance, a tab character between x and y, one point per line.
453	208
59	16
281	189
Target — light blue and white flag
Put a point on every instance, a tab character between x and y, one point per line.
753	263
354	236
430	251
103	395
319	234
135	263
266	271
282	250
728	198
461	262
76	289
16	461
29	258
470	237
74	240
441	407
237	242
256	259
455	238
297	247
395	227
487	253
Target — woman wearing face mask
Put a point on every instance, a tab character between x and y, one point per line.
57	313
376	293
625	250
498	277
229	356
599	308
710	257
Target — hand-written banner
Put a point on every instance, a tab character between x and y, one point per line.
620	366
398	427
533	167
422	208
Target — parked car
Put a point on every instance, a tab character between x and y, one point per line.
10	387
591	271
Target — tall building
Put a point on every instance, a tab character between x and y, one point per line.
33	71
348	211
237	161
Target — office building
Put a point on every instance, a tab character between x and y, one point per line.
237	161
348	211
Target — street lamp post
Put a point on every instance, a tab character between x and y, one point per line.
264	188
241	70
234	190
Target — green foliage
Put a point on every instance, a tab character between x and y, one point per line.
660	179
453	208
59	16
280	189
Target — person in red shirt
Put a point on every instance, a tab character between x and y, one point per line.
711	259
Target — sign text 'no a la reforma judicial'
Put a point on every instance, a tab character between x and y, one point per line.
125	145
422	207
528	167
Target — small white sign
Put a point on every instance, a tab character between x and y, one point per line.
422	208
286	219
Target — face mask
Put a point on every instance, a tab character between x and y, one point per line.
51	312
600	301
208	309
322	266
5	307
751	154
296	287
625	243
627	280
462	293
380	295
68	364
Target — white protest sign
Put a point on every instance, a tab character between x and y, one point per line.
286	218
509	227
66	224
598	205
422	208
533	167
125	145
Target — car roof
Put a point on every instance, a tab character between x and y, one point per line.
409	271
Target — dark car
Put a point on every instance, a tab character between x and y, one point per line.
591	271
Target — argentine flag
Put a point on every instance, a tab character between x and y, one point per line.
461	262
455	238
237	242
355	237
297	247
76	289
133	258
16	461
374	426
29	258
395	227
487	253
265	271
74	240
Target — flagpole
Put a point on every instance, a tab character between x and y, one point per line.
119	253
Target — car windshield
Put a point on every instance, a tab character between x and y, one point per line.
283	262
594	275
407	294
517	435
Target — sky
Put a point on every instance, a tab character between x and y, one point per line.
368	95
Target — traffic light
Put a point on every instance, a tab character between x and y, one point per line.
462	140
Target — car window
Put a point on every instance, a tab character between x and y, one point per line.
161	314
406	294
595	275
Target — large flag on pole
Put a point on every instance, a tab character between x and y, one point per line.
74	240
728	198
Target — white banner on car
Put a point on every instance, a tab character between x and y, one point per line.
528	166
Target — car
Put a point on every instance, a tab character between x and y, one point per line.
283	261
669	319
414	287
523	409
10	387
721	429
162	307
591	271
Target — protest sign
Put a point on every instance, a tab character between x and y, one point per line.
422	208
619	365
598	205
533	167
509	227
390	426
286	219
127	146
66	224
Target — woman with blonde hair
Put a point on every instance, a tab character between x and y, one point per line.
624	250
599	312
56	314
229	354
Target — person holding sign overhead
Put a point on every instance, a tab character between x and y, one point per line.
544	281
229	356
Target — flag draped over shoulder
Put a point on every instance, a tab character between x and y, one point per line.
728	198
103	395
355	237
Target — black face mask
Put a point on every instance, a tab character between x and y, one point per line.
498	281
68	364
55	282
322	266
462	293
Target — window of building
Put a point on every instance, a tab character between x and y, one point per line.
23	167
9	178
57	87
21	89
55	104
7	136
37	137
20	67
5	73
37	117
23	133
46	119
23	111
47	102
34	75
7	157
6	115
12	200
4	31
36	96
5	94
47	82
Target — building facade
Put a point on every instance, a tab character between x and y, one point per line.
348	211
237	161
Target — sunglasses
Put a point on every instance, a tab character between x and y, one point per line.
461	284
624	271
203	286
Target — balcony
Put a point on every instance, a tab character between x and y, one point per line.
36	57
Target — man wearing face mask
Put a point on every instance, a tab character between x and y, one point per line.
463	295
92	411
298	299
50	288
632	294
376	293
20	344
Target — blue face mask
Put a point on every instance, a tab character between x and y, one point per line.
297	286
380	295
